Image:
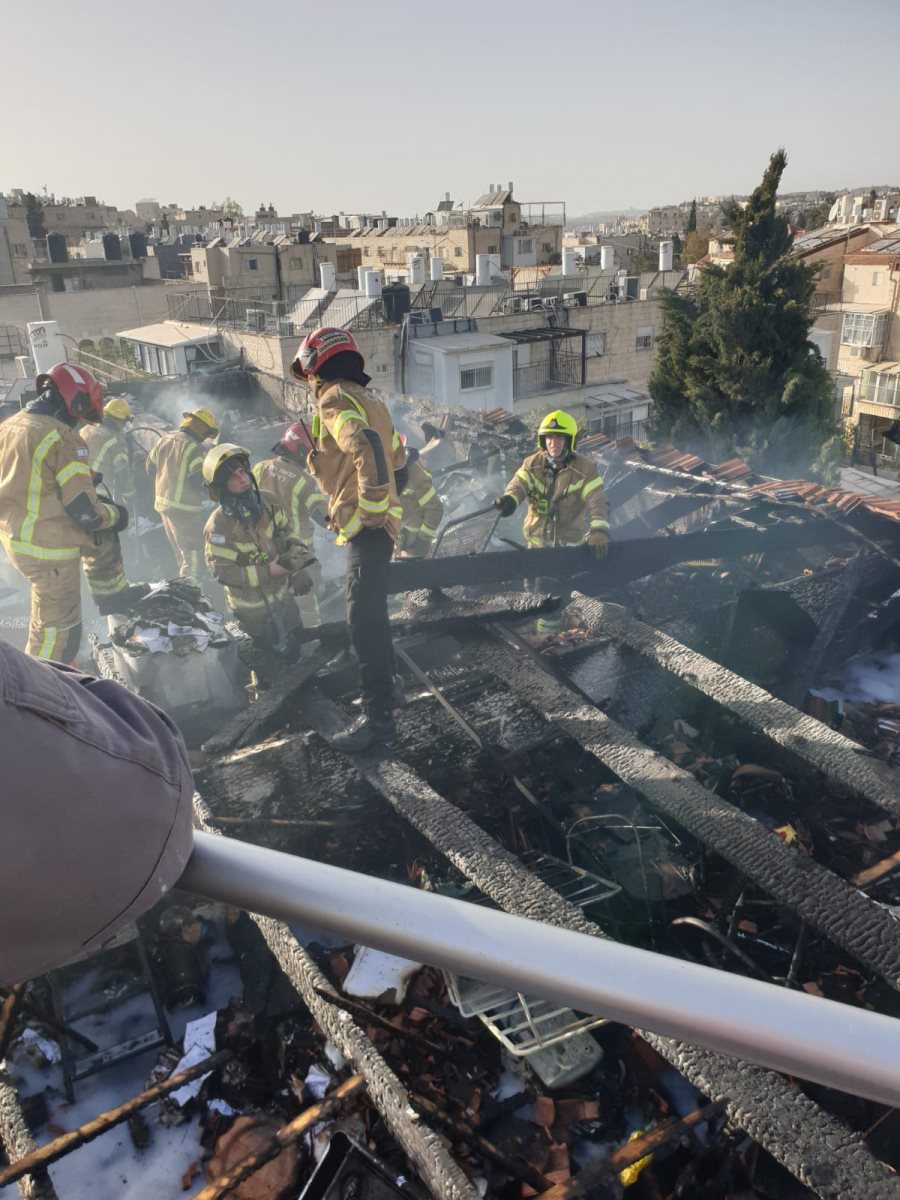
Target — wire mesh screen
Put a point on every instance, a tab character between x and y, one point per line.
466	535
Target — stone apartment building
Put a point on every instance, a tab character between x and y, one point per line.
516	234
16	251
272	265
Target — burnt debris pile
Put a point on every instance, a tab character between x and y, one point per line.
673	769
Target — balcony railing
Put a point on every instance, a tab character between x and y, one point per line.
560	371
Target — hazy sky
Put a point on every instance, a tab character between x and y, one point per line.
356	105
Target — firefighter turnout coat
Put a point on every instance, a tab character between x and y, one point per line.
238	555
421	506
109	458
177	459
48	505
293	490
357	452
565	505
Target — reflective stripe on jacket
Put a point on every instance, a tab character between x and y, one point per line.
421	505
109	457
44	465
238	555
358	452
291	489
177	459
563	505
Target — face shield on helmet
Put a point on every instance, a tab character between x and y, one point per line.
79	391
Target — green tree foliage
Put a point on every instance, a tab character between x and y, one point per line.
735	373
873	196
692	218
34	215
696	244
814	218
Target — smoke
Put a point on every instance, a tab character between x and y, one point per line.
875	677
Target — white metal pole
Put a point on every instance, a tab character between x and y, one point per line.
833	1044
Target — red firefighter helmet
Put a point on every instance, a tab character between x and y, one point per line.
294	440
78	389
320	345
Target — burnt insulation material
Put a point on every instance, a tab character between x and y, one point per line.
841	761
17	1142
818	1150
865	929
425	1149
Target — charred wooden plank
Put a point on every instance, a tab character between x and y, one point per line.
837	758
865	929
807	1141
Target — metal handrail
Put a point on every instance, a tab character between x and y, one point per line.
833	1044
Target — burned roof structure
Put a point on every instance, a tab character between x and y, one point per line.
664	772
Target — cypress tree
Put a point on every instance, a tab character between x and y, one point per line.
34	216
735	373
692	218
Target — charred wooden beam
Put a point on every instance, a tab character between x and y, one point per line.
52	1152
626	560
425	1149
517	1168
295	1129
807	1141
865	929
427	611
18	1143
841	762
580	1185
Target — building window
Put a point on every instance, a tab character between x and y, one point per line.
457	252
548	247
525	246
595	345
252	264
863	329
367	251
492	249
473	378
19	250
644	338
380	369
296	264
877	278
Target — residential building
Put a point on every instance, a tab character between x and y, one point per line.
75	218
516	234
173	347
670	218
250	262
15	247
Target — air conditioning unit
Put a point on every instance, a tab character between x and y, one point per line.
256	319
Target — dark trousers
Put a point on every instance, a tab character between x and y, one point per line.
368	561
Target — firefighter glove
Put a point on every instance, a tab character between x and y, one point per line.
506	504
598	540
301	583
118	514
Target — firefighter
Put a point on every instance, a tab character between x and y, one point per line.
421	505
355	456
252	552
566	501
177	460
285	480
108	446
51	517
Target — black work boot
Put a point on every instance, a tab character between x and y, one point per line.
366	732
